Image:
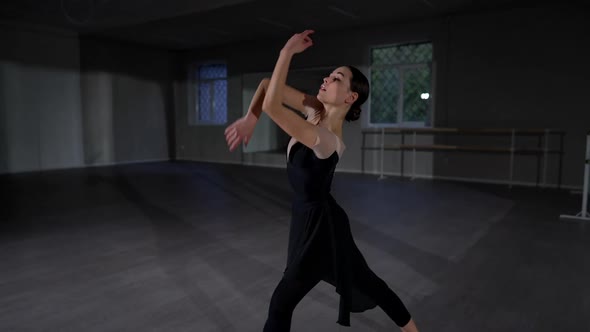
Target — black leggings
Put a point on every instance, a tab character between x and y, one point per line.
290	292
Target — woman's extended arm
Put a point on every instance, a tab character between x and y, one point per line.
291	123
304	103
242	129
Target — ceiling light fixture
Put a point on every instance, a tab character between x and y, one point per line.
274	23
430	4
343	12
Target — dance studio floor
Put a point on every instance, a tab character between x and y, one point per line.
200	247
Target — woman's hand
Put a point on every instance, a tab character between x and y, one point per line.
299	42
240	131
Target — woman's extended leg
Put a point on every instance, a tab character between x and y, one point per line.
371	285
286	296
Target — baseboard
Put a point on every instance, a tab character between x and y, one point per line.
339	170
460	179
142	161
231	162
50	169
417	176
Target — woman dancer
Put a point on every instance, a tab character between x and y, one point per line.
321	246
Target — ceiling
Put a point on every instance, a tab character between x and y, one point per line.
190	24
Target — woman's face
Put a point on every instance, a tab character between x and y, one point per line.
336	88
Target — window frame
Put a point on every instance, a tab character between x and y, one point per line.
428	122
194	97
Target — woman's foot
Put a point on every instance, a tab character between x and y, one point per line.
410	327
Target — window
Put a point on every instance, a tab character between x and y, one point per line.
401	82
211	101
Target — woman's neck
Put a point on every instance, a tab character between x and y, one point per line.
333	120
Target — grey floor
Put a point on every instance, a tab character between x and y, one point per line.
200	247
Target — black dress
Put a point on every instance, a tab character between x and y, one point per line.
320	241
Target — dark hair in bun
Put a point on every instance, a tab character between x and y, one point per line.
359	84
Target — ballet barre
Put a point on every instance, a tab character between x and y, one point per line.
584	214
541	150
